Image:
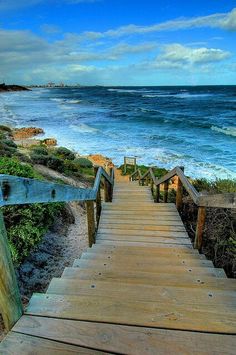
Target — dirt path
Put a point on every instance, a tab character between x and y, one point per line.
119	177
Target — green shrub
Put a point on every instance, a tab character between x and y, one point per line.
9	143
70	166
39	159
83	163
64	153
15	167
216	186
26	224
55	163
5	153
39	150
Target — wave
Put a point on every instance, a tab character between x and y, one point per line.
185	95
192	96
131	91
73	101
57	100
229	131
84	128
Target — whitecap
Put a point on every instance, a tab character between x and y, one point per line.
56	99
84	128
230	131
73	101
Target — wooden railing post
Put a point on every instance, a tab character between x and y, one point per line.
152	187
166	186
201	217
90	222
179	192
10	301
108	191
157	194
98	199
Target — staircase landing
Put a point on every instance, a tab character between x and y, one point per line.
141	289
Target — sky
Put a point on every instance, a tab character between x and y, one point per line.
118	42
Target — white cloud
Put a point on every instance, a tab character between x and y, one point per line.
177	53
226	21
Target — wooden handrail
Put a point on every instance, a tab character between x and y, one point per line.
226	200
16	190
136	172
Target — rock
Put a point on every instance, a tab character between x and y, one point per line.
27	132
50	141
98	159
4	87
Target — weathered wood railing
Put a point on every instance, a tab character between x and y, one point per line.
17	190
202	200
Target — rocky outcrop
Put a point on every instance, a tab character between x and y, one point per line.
100	160
50	142
27	132
4	87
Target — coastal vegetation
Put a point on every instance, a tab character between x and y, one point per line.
26	224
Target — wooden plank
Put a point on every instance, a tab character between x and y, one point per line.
24	190
142	219
137	292
139	266
167	259
154	243
154	213
127	339
143	233
227	200
167	251
106	309
148	259
160	279
144	239
142	227
21	344
132	206
10	300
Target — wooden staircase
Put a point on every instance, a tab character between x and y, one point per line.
141	289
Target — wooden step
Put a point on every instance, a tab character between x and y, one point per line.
149	243
143	239
147	214
138	219
100	265
177	227
157	252
127	339
22	344
142	233
156	279
106	309
138	292
153	260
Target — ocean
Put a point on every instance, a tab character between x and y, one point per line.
194	127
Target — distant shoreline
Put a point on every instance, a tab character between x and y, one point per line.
10	88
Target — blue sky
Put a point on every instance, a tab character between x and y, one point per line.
118	42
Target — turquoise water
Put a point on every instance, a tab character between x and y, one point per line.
165	126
